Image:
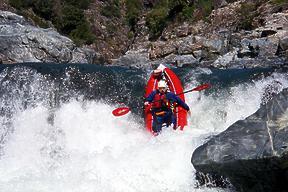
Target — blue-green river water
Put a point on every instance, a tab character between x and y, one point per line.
57	132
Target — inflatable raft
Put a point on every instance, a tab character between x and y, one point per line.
175	86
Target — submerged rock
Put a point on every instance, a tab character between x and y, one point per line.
22	42
251	153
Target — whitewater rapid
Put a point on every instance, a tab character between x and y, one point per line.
81	147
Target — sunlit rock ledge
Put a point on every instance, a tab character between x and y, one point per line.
252	153
219	43
22	42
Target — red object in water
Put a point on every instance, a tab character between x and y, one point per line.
175	86
120	111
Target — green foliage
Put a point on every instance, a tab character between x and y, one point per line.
165	11
231	1
206	6
156	21
43	8
111	28
111	9
133	11
71	18
66	15
247	12
182	3
82	34
16	3
187	12
20	4
279	2
38	20
130	35
81	4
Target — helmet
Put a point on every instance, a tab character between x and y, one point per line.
162	84
157	73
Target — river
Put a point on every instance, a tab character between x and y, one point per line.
58	133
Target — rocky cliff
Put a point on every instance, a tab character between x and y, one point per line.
240	33
251	153
22	42
221	40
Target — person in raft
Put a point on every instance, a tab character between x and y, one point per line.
163	104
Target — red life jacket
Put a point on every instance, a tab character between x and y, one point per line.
160	102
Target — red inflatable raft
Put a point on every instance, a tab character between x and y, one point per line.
174	85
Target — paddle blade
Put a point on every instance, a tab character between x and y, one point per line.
201	87
120	111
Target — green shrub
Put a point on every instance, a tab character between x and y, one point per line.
37	20
156	21
165	11
71	18
20	4
66	15
206	6
43	8
133	8
187	12
131	35
279	2
247	12
82	34
111	9
81	4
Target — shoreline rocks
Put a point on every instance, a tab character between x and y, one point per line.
22	42
251	153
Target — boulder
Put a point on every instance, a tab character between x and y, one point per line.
22	42
252	153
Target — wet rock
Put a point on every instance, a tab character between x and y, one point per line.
251	153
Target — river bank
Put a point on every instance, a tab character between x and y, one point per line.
220	41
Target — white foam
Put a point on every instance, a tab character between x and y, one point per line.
88	149
84	148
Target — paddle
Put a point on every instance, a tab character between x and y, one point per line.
124	110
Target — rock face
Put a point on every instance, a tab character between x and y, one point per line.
221	42
113	34
22	42
237	33
252	153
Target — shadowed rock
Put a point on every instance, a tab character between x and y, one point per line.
22	42
251	153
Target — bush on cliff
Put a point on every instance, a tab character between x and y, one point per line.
247	12
156	21
165	11
279	2
67	16
111	9
133	10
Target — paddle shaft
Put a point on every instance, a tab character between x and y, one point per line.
199	88
124	110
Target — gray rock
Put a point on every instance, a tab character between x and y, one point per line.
251	153
22	42
6	16
133	58
215	44
185	60
283	40
225	60
263	47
